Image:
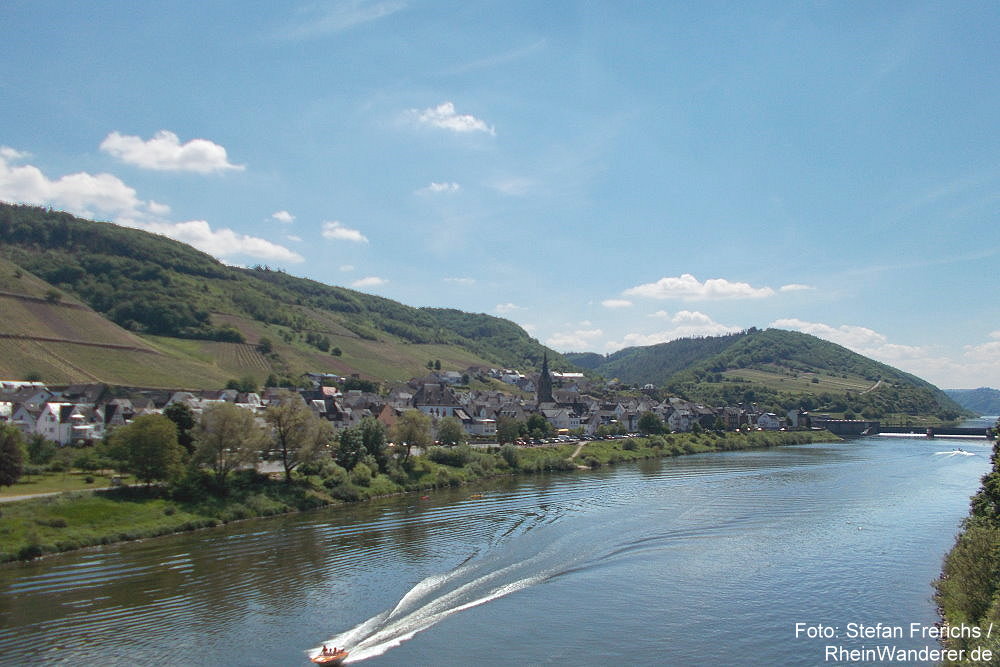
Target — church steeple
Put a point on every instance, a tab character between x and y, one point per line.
544	390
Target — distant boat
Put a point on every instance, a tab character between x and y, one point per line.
327	656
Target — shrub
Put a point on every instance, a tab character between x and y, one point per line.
509	454
361	475
455	457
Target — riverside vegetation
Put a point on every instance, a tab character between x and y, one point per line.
210	488
968	591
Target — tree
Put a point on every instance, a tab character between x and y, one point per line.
539	426
265	346
650	423
413	429
245	384
150	448
182	416
11	455
508	429
350	448
450	431
374	437
40	449
437	364
297	434
226	438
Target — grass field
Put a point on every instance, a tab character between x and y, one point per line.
802	382
52	482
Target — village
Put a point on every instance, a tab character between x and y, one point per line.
83	414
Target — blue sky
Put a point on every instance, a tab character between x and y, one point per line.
604	174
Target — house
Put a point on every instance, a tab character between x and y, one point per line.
67	423
31	397
437	400
450	377
769	421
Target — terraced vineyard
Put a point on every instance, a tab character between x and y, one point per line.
802	381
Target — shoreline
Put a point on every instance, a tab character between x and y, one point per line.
75	520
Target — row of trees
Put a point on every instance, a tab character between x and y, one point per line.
159	448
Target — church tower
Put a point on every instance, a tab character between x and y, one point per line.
543	393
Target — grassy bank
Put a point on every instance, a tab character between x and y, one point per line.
968	592
31	528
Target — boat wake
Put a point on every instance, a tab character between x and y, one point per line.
955	452
427	604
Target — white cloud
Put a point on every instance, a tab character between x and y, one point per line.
513	187
976	366
157	208
219	242
685	323
346	267
461	281
319	18
293	237
336	231
445	117
662	314
577	341
84	194
88	195
616	303
370	281
283	216
8	153
688	288
795	287
165	152
506	307
439	188
859	339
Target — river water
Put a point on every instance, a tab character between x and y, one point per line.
706	559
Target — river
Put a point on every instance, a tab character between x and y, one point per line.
706	559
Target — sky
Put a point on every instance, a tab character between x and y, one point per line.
604	174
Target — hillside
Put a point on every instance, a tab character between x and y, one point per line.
778	369
654	364
148	291
982	401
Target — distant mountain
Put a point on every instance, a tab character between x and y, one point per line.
188	306
982	401
775	368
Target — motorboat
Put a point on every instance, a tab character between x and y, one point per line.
330	656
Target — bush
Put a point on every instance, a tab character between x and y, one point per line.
361	475
509	454
456	457
347	492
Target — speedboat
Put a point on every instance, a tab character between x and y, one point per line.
327	656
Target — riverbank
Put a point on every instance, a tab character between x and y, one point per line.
54	524
968	591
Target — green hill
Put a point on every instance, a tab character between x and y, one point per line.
982	401
211	318
777	369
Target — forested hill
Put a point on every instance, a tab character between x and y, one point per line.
155	286
654	364
982	401
775	368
